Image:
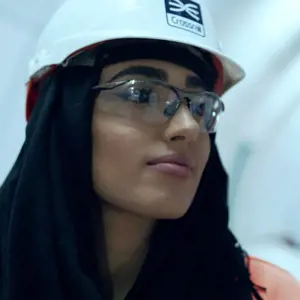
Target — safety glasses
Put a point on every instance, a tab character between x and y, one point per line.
155	102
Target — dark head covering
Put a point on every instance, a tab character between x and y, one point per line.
48	209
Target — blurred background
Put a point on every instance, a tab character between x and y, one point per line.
259	136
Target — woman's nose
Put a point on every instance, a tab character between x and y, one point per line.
182	126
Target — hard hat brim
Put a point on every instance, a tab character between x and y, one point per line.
232	71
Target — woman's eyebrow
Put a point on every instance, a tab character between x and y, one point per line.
147	71
193	81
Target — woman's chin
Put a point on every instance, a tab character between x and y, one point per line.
161	209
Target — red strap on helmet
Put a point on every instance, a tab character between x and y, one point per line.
218	88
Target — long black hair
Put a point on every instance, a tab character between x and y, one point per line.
48	205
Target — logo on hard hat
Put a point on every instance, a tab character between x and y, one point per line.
185	14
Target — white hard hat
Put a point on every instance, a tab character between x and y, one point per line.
81	24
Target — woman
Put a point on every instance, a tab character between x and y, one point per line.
118	191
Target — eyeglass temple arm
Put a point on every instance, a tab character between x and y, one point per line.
109	85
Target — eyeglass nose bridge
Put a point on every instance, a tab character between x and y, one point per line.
181	98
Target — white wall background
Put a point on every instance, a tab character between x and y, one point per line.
259	136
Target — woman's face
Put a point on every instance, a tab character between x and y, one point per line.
137	164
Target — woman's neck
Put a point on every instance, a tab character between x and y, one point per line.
126	238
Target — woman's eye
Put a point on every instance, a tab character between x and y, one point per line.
137	95
198	109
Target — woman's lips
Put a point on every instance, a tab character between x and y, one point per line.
172	165
171	169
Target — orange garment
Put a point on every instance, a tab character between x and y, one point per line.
279	284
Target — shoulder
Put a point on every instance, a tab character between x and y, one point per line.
279	284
